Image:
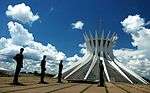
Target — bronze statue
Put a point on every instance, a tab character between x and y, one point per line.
43	69
60	71
101	68
19	60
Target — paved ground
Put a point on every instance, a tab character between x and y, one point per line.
31	86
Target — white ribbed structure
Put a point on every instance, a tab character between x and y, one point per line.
87	69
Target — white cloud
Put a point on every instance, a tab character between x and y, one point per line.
83	50
3	42
77	25
139	59
75	58
3	69
22	13
136	60
132	23
139	33
72	60
82	45
20	37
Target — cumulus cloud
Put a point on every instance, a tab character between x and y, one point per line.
137	59
22	13
139	33
77	25
83	50
132	23
75	58
3	42
21	37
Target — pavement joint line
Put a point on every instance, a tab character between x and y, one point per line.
62	88
144	87
121	88
11	85
28	88
136	88
5	86
86	88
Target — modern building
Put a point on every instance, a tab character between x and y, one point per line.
100	47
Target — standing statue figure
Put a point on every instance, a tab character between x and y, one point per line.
101	68
19	60
43	69
60	71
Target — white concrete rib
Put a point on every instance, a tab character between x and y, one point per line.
107	39
84	62
102	51
106	72
101	43
119	70
92	42
96	44
87	42
76	63
111	57
91	67
109	48
105	46
130	71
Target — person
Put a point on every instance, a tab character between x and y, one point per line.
43	69
19	60
101	81
60	71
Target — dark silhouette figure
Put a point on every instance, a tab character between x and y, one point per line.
60	71
101	82
19	60
43	69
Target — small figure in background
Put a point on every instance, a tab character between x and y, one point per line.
19	60
60	71
101	68
43	69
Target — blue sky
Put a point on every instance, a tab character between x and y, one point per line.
56	17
